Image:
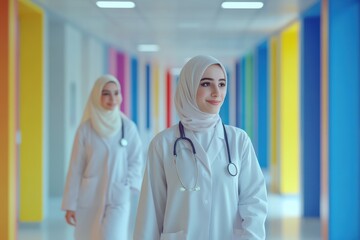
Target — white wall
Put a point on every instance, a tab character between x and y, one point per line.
75	61
55	99
72	81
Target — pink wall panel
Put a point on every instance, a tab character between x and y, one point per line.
119	67
112	61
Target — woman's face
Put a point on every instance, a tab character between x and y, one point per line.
212	90
110	96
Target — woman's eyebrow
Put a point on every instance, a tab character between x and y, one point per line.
109	91
206	78
211	79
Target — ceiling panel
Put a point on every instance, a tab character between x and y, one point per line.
182	28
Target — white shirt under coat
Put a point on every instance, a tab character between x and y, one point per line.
225	207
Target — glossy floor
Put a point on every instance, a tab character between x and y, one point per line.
283	223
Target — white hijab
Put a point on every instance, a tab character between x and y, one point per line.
105	122
185	97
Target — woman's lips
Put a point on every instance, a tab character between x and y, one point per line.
214	102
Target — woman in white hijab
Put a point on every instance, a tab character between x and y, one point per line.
202	179
106	165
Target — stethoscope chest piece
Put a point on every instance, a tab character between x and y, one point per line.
232	169
123	142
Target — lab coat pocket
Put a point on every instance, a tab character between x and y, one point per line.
120	193
87	192
238	234
173	236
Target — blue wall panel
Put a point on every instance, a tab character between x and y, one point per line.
310	116
134	89
148	97
238	93
224	111
344	119
243	92
263	117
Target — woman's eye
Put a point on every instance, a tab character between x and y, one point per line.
204	84
222	84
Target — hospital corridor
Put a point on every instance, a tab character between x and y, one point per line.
289	74
284	222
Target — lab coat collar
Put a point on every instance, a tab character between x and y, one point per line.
109	140
217	143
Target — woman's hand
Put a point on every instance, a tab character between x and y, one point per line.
70	217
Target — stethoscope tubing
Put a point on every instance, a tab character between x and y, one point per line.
182	137
231	167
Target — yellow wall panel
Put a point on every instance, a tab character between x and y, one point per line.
31	113
156	97
290	109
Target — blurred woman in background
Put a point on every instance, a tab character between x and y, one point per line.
106	165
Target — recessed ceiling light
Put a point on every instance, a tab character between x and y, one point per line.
242	5
115	4
148	48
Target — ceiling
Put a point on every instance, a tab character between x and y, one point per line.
181	28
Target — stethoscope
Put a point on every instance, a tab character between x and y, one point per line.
231	167
123	142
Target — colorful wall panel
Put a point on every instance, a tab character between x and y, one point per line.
324	120
248	95
224	111
243	92
289	110
134	89
121	76
175	117
310	116
262	103
169	98
120	66
274	113
255	99
112	61
344	119
155	87
238	93
32	164
8	105
148	96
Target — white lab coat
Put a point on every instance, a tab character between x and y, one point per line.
100	176
225	207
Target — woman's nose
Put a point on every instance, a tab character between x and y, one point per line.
215	92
